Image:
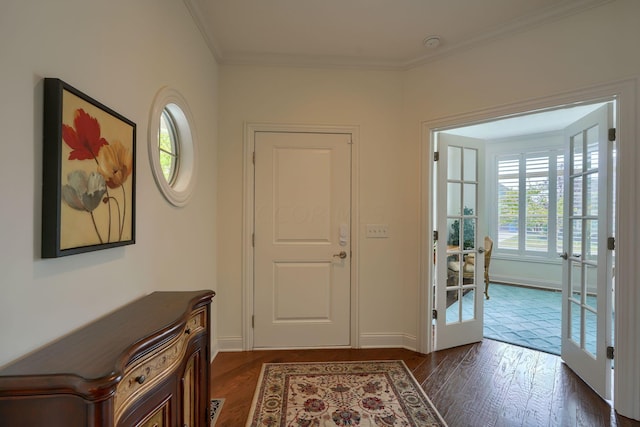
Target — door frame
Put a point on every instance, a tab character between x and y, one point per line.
250	129
627	352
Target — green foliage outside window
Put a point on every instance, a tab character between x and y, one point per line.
168	147
166	160
468	229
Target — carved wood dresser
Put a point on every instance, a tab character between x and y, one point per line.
144	365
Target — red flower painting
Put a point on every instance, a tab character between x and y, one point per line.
84	137
88	173
114	165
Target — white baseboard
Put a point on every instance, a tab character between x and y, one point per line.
401	340
388	340
230	344
214	350
527	282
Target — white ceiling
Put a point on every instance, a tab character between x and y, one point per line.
363	33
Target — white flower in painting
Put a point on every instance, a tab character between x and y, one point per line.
84	192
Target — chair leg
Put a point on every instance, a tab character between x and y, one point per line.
486	285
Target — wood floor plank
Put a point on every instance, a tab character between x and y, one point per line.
539	406
433	373
458	377
519	390
484	392
492	384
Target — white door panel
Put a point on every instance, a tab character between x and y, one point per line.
302	224
299	281
587	264
460	220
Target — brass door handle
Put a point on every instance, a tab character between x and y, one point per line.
341	255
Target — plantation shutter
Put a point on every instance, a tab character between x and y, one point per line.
508	202
537	203
530	203
560	202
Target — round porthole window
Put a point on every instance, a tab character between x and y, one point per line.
168	146
172	146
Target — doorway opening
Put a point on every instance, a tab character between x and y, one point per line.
521	166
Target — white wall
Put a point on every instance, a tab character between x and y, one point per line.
388	181
121	53
536	274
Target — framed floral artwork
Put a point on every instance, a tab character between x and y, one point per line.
88	188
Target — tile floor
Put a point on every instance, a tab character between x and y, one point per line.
524	316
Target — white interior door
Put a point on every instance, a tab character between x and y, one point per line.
460	219
302	243
587	266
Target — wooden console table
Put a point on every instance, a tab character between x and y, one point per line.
144	365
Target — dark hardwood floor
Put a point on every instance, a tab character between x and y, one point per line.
484	384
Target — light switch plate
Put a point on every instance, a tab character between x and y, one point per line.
377	231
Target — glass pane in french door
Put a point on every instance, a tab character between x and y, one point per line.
583	258
462	193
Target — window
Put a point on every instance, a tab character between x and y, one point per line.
537	203
508	203
172	147
529	188
168	147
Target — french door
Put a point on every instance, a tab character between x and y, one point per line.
587	263
459	285
587	258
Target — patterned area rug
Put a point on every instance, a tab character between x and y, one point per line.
372	393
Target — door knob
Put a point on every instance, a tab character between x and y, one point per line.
563	255
341	255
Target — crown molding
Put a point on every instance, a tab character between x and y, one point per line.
193	6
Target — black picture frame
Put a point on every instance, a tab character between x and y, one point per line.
88	174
